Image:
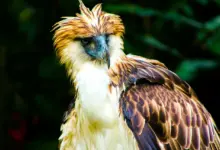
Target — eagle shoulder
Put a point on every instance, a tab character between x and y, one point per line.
161	109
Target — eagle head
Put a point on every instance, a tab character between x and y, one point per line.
91	36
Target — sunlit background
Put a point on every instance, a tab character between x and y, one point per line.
34	88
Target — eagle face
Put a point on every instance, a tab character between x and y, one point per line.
91	36
96	47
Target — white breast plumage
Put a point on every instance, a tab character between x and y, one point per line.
97	125
93	94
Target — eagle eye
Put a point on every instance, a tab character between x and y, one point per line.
86	41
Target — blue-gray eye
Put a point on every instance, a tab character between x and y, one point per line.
86	41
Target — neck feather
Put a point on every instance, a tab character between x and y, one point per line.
99	105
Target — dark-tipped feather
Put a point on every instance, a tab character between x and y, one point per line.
161	108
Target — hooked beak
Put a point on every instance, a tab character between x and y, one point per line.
102	49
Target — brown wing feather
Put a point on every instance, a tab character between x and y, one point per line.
158	98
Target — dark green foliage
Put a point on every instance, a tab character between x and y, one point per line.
185	35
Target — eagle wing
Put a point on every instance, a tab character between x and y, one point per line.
160	109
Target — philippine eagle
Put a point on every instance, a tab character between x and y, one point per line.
124	102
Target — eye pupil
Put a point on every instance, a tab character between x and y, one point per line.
86	41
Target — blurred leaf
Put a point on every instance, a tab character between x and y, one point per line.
210	35
16	7
187	70
30	29
27	24
137	10
157	44
218	2
130	48
132	8
50	68
201	35
202	2
213	24
213	43
187	10
177	18
26	14
182	5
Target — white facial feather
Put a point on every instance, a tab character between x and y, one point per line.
116	48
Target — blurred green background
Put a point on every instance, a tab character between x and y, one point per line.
34	89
